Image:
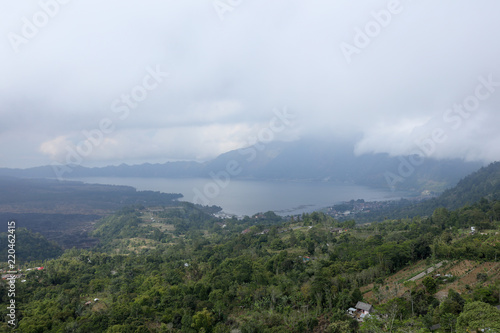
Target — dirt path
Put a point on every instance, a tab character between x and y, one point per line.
427	271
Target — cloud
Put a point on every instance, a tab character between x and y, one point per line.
226	76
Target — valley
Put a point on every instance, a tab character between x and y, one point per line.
158	264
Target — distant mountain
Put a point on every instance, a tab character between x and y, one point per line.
337	162
169	169
47	196
304	160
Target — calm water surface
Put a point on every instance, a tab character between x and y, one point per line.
247	197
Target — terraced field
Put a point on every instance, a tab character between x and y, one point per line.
463	273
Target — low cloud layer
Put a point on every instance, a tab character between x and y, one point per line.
157	81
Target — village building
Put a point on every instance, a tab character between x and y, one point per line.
337	230
364	307
360	311
265	231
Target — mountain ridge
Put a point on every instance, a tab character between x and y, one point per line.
304	160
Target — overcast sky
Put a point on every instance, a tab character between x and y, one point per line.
396	77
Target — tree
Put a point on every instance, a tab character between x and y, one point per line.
203	320
345	326
277	244
485	294
448	321
479	315
430	284
410	285
372	325
453	304
440	217
356	295
293	239
221	328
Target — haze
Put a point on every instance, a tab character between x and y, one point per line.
389	76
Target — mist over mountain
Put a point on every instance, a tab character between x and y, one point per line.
315	160
301	160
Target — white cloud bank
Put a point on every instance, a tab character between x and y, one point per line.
64	64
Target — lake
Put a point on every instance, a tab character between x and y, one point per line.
247	197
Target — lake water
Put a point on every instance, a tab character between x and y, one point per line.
247	197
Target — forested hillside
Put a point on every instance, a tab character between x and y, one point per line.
65	212
31	246
484	183
72	197
179	269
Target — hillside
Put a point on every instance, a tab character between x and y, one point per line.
31	246
481	184
484	183
169	266
65	211
179	269
52	196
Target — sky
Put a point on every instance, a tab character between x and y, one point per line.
121	81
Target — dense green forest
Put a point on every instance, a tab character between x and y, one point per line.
49	196
258	274
177	268
34	247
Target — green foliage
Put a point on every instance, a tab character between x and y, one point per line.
479	315
356	295
430	284
277	276
486	295
453	304
346	326
482	184
31	246
203	320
